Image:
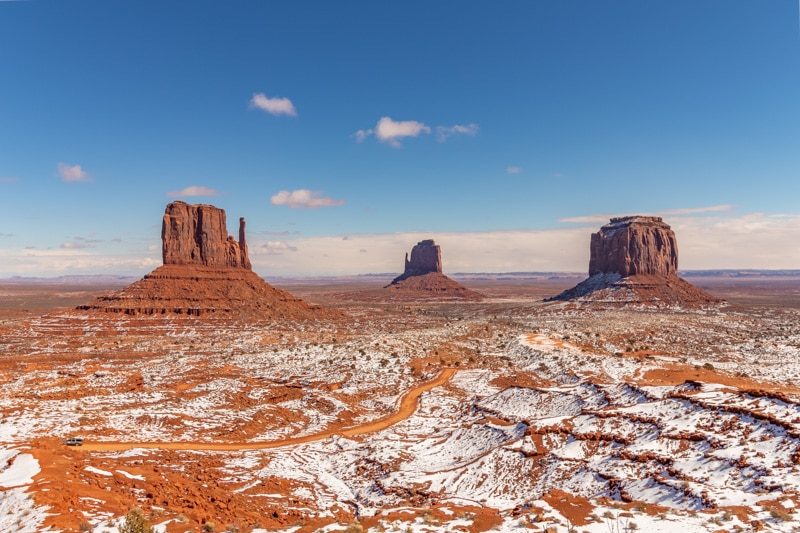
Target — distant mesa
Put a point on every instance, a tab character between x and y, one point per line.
634	260
205	273
423	275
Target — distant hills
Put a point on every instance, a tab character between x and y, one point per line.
379	278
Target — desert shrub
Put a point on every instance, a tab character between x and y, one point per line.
781	516
135	522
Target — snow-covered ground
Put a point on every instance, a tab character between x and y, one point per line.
543	404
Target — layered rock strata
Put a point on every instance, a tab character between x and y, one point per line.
197	235
422	276
634	245
205	273
634	260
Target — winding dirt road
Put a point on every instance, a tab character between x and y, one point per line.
408	405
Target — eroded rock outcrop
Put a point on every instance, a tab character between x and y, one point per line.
205	273
198	235
422	276
634	260
634	245
426	257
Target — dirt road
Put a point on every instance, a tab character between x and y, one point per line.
408	404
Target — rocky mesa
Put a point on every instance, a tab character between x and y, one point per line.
422	276
206	272
634	260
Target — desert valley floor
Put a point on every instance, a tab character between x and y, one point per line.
506	414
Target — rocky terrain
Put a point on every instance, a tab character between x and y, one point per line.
634	260
422	276
507	413
205	272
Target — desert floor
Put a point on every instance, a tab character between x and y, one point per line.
406	414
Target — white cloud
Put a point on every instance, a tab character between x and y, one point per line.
495	251
75	245
58	261
390	131
443	132
9	180
513	170
74	173
273	106
304	199
754	240
193	190
715	240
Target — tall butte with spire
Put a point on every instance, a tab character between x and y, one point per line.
634	260
206	272
423	276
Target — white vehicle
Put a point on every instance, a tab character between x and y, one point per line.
74	441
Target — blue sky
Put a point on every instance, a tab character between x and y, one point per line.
506	131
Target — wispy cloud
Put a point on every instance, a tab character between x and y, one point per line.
513	170
277	247
304	199
6	235
273	106
393	131
193	190
72	173
76	245
443	132
9	180
698	210
363	134
602	218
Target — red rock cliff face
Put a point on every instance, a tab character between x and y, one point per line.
426	257
197	235
634	245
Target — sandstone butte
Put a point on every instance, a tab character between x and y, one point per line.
422	276
634	260
205	273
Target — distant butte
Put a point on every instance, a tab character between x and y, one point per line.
634	260
423	276
205	273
